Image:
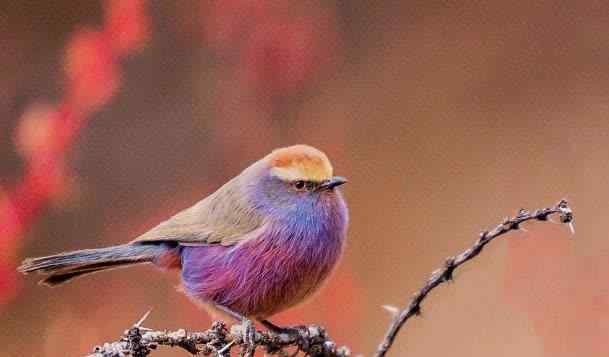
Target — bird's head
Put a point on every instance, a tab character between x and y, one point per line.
297	177
303	169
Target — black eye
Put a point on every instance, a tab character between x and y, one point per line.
299	184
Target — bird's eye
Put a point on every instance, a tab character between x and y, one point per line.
299	185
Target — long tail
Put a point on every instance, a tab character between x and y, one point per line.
66	266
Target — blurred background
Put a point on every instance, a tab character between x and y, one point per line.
445	116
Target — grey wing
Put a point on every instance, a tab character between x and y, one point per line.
225	217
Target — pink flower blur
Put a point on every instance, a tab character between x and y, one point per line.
46	132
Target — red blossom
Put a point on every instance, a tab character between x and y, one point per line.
91	70
127	25
45	132
8	280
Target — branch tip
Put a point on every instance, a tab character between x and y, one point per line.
393	310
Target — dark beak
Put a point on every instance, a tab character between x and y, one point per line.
333	182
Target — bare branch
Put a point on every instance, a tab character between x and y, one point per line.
445	273
312	340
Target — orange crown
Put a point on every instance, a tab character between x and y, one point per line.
300	162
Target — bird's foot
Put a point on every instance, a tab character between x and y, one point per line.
248	334
248	331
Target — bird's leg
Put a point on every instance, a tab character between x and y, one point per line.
230	312
249	337
272	327
248	330
266	323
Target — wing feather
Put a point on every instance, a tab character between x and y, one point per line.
225	217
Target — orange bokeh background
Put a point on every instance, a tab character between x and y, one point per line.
445	117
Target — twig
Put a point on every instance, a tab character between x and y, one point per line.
218	341
445	273
312	340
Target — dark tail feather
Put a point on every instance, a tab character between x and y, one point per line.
55	279
66	266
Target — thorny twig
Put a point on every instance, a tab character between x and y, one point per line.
312	340
445	273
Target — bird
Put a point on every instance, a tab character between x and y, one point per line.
263	242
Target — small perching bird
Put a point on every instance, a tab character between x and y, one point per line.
261	243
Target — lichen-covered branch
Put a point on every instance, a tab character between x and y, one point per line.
218	341
310	340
